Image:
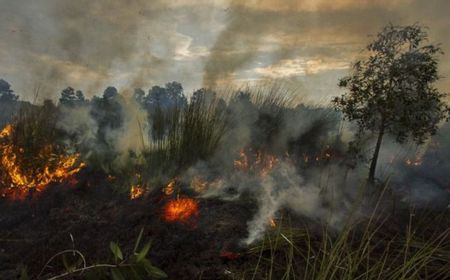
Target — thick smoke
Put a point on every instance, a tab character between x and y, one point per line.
130	137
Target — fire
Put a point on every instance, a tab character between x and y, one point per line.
136	191
262	163
229	255
169	189
241	164
265	163
181	210
415	162
20	182
272	223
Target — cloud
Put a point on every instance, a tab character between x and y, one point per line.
300	67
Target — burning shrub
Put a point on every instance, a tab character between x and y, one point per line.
30	157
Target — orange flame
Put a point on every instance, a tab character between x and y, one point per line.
169	189
265	163
136	191
57	169
272	222
262	164
415	162
181	210
241	164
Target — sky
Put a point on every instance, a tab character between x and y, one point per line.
306	45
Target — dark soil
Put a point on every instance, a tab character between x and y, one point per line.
32	231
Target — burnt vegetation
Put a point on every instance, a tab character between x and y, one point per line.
245	184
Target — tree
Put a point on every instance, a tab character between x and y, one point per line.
139	95
164	98
71	98
392	91
6	93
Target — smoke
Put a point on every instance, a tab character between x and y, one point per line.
78	121
131	136
286	189
315	193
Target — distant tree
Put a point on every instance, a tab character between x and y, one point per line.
71	98
110	93
6	93
175	94
166	97
139	95
392	91
108	112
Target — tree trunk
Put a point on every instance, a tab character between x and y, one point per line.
373	164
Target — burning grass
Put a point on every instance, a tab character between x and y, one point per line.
23	172
203	188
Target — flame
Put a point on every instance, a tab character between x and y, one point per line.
57	169
265	163
272	223
136	191
415	162
262	164
169	189
181	210
241	164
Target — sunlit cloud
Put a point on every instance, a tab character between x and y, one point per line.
299	67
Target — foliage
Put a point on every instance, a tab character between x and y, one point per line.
6	93
363	250
134	266
393	89
71	98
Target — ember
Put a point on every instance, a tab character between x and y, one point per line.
181	210
229	255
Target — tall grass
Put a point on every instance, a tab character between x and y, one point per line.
377	248
191	133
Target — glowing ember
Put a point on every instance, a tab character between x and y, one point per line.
181	210
170	187
19	182
229	255
136	191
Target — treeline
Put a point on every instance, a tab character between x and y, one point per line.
178	131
